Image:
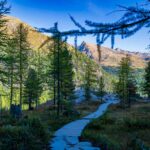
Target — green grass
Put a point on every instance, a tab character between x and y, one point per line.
121	129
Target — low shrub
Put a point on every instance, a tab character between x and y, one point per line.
96	125
100	123
106	119
27	134
102	140
137	144
134	123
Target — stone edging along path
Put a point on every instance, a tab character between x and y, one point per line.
67	137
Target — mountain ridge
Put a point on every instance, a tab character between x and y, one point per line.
35	38
112	57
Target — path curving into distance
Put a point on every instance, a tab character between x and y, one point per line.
67	137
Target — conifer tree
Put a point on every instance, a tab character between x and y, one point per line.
39	62
40	75
67	74
101	86
6	54
4	9
61	64
51	71
23	48
32	88
126	82
58	71
90	79
147	80
3	42
12	67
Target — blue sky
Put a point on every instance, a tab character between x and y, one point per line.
43	13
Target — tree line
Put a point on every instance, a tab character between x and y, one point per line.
27	78
21	77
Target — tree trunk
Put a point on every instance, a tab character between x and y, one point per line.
54	76
20	70
30	104
58	76
36	103
0	105
11	86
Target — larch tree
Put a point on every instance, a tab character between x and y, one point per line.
90	79
61	73
40	75
23	48
126	83
3	42
51	71
101	87
12	67
146	86
67	75
32	88
4	72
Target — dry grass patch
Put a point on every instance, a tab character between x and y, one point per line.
121	129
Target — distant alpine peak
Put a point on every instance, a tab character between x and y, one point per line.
84	49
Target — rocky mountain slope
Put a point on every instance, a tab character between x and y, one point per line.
112	58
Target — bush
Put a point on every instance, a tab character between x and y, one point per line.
106	119
102	140
95	125
100	123
137	144
134	123
27	134
36	128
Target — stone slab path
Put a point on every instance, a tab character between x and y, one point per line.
67	137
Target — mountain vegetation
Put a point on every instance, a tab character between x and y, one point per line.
146	87
41	78
41	57
126	87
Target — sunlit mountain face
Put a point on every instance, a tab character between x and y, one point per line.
112	57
